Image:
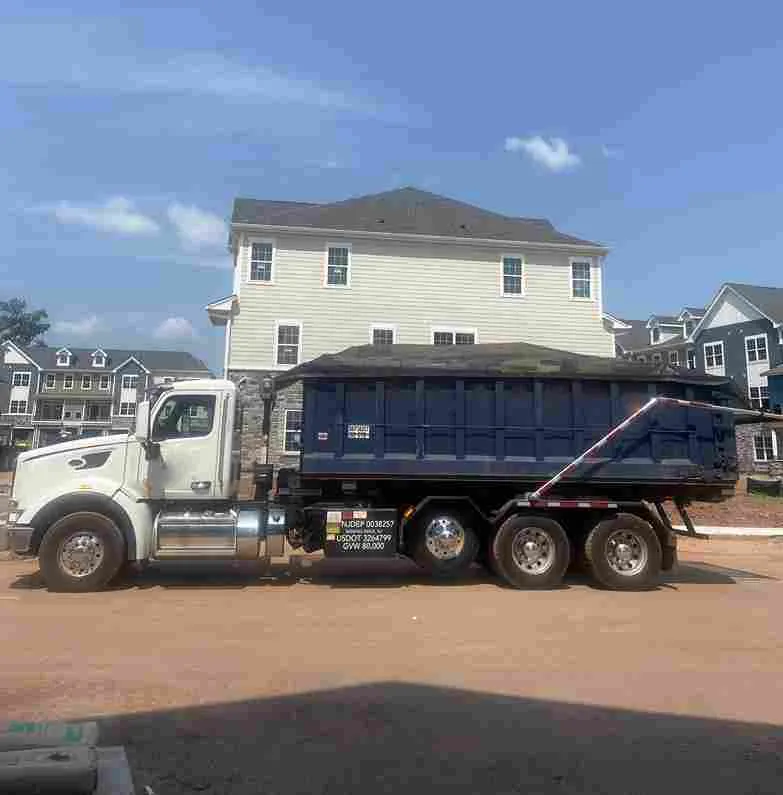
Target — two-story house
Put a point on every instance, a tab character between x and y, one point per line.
57	393
405	266
741	335
661	339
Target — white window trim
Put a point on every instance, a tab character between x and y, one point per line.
53	386
129	375
89	383
18	402
766	348
21	372
707	368
347	284
503	293
106	388
751	387
63	353
127	403
278	323
774	447
674	358
687	359
381	326
259	282
285	431
453	330
68	388
582	260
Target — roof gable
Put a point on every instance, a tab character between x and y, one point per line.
403	211
45	357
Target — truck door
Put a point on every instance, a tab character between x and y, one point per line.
185	426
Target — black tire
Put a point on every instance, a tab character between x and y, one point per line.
426	557
106	559
545	571
644	567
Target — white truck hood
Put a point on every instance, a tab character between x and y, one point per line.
82	445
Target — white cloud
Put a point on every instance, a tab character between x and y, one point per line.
117	214
78	328
553	154
175	328
611	152
197	228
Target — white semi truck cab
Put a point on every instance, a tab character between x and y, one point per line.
166	491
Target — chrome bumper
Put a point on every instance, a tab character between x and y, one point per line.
19	538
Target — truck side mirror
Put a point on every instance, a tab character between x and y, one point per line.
143	421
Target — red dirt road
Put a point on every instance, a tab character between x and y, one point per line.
240	684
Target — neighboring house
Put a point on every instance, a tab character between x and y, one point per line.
741	335
404	266
769	446
661	339
57	393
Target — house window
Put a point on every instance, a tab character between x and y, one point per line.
713	355
86	382
68	382
657	358
691	356
261	262
338	265
288	338
382	335
103	383
512	276
656	335
127	409
765	446
49	381
756	348
580	279
688	327
21	379
293	431
453	337
18	407
759	397
99	359
63	358
674	358
130	382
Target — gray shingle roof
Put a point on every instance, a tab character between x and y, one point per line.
45	356
768	299
669	320
698	311
403	211
638	336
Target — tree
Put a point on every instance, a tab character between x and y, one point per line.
20	326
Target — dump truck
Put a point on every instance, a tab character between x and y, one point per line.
520	458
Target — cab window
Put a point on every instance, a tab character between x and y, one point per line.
184	416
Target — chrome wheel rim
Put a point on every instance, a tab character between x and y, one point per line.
444	538
533	550
627	552
81	554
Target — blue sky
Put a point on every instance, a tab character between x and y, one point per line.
125	134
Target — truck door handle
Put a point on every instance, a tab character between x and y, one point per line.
200	485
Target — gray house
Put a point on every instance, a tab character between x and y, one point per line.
661	338
53	394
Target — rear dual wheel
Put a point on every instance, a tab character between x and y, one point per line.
445	542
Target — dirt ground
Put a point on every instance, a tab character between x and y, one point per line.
357	681
741	510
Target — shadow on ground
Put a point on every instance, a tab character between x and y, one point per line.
403	738
360	574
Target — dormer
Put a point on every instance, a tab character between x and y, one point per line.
64	357
690	317
99	358
663	328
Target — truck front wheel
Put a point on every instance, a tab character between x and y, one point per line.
624	553
81	552
530	552
444	543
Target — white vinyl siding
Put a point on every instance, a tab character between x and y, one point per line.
582	279
262	256
512	276
415	286
714	361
